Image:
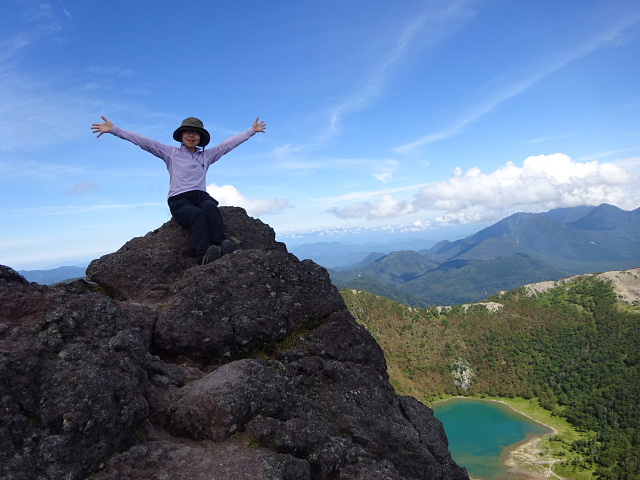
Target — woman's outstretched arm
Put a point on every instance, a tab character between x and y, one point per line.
150	145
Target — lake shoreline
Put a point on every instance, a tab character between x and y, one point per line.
525	450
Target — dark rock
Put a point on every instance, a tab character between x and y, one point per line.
11	276
249	367
72	382
243	302
204	460
249	233
222	402
144	268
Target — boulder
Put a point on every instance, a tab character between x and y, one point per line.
246	301
145	268
73	383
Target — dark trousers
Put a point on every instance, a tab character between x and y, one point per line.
198	211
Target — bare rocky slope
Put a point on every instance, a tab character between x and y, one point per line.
626	284
248	368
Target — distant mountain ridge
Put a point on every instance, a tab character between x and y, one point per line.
605	238
55	275
520	249
338	255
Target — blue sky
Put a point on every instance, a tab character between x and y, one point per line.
428	118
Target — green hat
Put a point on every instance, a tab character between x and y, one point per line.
192	124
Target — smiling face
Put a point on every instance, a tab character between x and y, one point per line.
191	140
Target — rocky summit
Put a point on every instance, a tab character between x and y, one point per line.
250	367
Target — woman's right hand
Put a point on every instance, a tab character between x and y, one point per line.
101	128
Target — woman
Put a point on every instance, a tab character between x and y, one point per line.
189	202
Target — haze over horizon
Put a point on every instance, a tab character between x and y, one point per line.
430	118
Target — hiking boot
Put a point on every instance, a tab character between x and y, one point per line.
227	246
214	252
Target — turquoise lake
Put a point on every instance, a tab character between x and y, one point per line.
482	432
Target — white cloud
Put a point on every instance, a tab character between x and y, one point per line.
384	171
360	197
631	164
549	139
386	206
231	196
546	181
542	182
82	187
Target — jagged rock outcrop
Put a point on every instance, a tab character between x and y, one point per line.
250	367
73	380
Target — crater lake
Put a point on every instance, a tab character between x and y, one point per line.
482	432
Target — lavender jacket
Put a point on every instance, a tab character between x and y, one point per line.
187	171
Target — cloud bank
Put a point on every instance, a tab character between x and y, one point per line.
231	196
542	182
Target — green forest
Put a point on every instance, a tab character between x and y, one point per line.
575	348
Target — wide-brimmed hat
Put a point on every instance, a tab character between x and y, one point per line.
192	124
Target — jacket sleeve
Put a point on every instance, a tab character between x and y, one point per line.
212	155
154	147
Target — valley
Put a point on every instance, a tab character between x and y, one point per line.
571	346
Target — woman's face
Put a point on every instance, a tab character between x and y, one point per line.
190	139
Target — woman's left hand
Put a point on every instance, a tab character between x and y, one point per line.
259	126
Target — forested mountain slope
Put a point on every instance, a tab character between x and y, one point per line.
520	249
573	344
